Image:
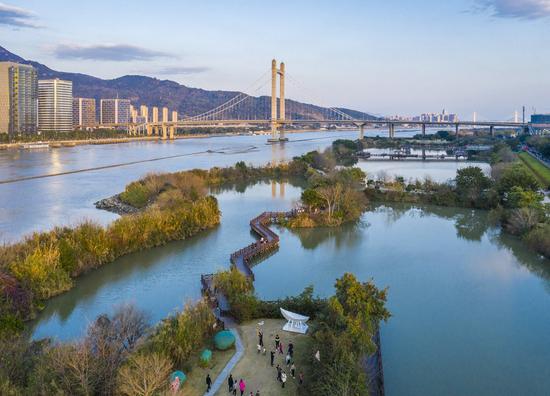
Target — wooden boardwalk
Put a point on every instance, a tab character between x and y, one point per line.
242	259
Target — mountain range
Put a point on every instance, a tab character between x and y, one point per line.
186	100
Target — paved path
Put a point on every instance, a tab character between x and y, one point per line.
222	377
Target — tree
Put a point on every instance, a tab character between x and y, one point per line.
331	196
522	220
471	182
363	307
516	175
144	375
311	199
520	198
111	339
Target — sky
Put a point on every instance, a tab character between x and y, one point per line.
384	57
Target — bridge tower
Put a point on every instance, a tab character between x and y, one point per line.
277	117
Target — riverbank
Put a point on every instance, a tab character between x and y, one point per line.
46	264
45	144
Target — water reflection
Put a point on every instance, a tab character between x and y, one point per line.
346	236
470	225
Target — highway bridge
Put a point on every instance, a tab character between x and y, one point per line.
281	116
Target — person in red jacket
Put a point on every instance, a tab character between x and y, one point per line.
242	386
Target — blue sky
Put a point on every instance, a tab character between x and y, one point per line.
391	57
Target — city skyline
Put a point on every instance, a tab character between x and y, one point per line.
482	56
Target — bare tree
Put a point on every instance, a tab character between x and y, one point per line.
111	339
144	375
331	195
74	368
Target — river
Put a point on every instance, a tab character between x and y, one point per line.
471	308
42	203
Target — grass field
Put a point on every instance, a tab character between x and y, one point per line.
541	171
196	379
255	369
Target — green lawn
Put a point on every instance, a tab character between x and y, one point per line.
541	171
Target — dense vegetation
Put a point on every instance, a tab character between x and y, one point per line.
56	136
120	354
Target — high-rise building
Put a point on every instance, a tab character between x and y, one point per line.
55	105
115	111
18	98
144	112
84	112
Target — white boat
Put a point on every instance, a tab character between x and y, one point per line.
35	145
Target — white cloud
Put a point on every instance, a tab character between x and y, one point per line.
521	9
109	52
15	16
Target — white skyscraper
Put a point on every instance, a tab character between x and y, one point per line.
55	105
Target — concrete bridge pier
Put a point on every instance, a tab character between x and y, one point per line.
172	132
492	130
456	130
423	129
164	132
361	131
391	130
149	130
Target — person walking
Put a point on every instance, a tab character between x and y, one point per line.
279	371
287	359
242	386
283	378
272	354
291	349
301	378
280	348
208	382
261	338
257	393
230	382
277	341
293	370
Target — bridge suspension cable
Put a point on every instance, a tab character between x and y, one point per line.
230	104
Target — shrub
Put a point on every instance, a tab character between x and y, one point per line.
136	194
184	333
539	239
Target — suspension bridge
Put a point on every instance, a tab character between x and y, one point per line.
276	112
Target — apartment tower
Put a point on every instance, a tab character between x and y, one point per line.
84	113
18	98
55	105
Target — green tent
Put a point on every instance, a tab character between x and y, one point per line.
224	340
206	357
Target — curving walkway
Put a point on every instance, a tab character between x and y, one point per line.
242	260
220	380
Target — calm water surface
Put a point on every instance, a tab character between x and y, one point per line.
471	309
41	204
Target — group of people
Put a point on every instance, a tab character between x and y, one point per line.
282	376
233	386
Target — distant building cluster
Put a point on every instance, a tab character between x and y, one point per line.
30	105
428	117
437	117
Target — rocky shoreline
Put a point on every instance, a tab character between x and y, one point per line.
115	205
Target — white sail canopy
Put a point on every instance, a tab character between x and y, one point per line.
296	322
